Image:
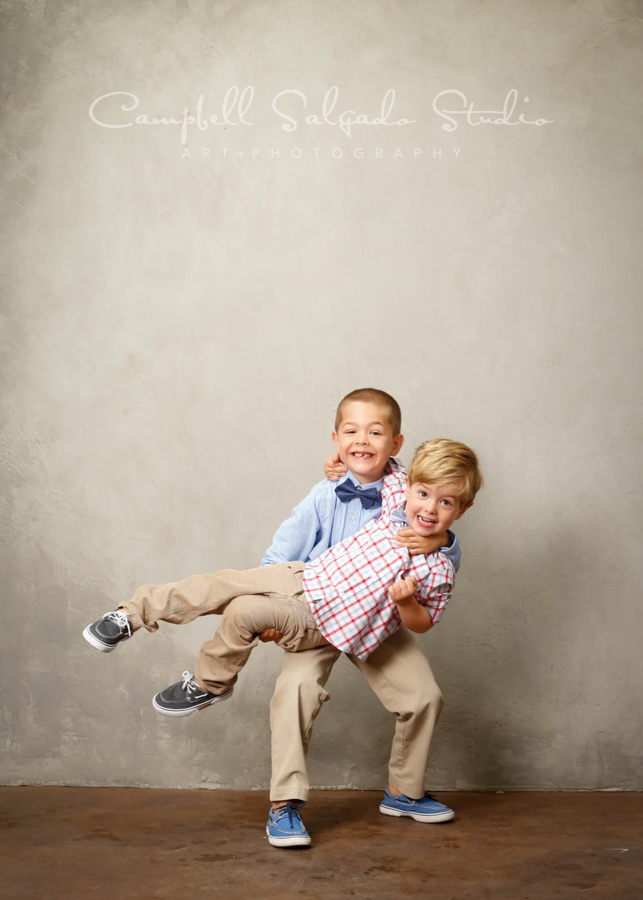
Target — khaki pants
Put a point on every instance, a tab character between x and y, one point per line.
249	602
398	672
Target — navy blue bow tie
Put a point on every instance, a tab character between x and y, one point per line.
369	498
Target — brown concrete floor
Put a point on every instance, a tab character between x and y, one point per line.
75	843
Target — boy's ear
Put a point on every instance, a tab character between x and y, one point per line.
335	440
397	444
463	511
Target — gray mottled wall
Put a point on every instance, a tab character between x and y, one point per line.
178	328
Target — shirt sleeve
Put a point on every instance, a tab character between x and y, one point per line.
434	592
299	534
453	551
393	488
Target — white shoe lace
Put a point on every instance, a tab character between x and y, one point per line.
121	620
190	685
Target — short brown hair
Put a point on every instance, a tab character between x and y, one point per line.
372	395
442	461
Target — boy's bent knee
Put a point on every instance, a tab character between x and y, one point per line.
302	692
299	689
426	700
241	613
296	706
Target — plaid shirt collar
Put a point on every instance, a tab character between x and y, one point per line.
398	517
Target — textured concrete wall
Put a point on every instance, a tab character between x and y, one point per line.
179	327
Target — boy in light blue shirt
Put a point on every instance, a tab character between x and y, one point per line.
367	435
343	503
324	517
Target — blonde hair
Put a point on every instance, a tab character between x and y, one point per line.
441	461
381	398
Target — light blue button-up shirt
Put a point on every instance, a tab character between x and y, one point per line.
322	520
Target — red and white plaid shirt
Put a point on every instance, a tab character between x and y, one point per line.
394	487
347	586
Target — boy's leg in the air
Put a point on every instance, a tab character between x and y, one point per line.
183	601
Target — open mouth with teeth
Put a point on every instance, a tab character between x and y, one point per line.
361	455
426	523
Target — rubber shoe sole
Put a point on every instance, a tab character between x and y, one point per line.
98	644
419	817
193	709
301	841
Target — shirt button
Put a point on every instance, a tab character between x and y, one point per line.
352	518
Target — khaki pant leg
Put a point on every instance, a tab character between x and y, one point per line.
183	601
298	698
400	674
244	618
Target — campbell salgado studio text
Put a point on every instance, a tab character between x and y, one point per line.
452	107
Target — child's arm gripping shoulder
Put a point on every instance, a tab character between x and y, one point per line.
448	544
334	468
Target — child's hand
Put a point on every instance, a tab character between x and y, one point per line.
403	589
270	634
334	468
415	544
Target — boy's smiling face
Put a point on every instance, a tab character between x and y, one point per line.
433	508
364	440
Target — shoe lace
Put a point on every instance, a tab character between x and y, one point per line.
121	620
288	811
189	685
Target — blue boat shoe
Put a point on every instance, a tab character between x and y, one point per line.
285	828
425	810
